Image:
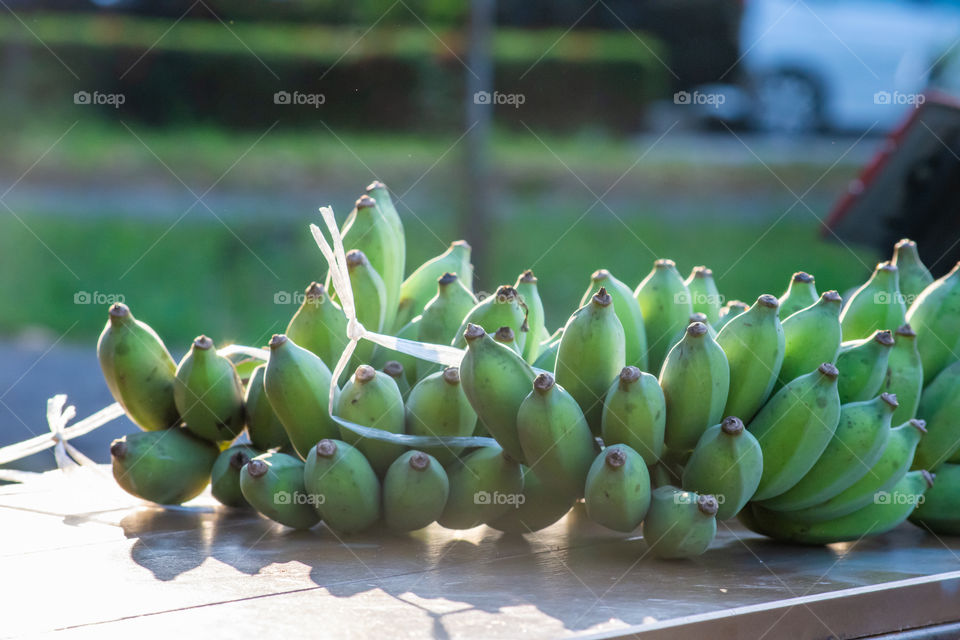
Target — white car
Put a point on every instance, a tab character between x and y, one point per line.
842	64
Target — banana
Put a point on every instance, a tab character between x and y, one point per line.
940	510
395	370
794	428
526	287
409	331
369	296
437	406
415	492
679	524
208	393
167	467
555	437
885	513
935	316
863	366
665	307
591	354
635	414
484	486
696	316
800	294
754	344
495	380
940	406
368	231
617	491
726	463
371	399
343	486
503	309
627	309
319	325
541	507
272	483
442	316
878	304
378	191
138	369
225	475
811	336
857	444
904	377
263	426
704	295
547	360
695	379
914	275
297	383
893	463
728	312
421	285
506	337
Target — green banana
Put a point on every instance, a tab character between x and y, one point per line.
526	287
695	379
635	414
665	308
800	294
138	369
617	490
503	309
811	336
893	463
484	486
541	507
940	406
415	491
858	442
696	316
878	304
935	316
273	484
421	285
904	377
297	384
170	466
263	426
409	331
863	366
555	437
914	275
754	344
628	313
506	337
437	406
368	231
728	312
940	510
369	297
344	487
208	393
884	514
794	427
442	317
495	380
371	399
378	191
590	355
225	475
726	463
547	360
319	325
679	524
704	296
395	370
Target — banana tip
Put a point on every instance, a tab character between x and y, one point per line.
257	468
419	461
543	382
277	341
768	301
602	298
884	337
616	458
451	375
473	332
239	459
629	375
890	399
447	278
364	373
203	343
365	202
696	329
919	425
829	370
708	505
118	449
702	272
527	277
600	274
504	334
356	258
802	276
393	368
119	310
906	331
732	426
326	448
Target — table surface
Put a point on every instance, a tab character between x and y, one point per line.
80	555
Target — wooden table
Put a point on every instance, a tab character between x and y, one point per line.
80	555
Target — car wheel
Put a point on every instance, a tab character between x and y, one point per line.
788	102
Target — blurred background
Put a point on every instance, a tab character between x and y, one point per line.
170	154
